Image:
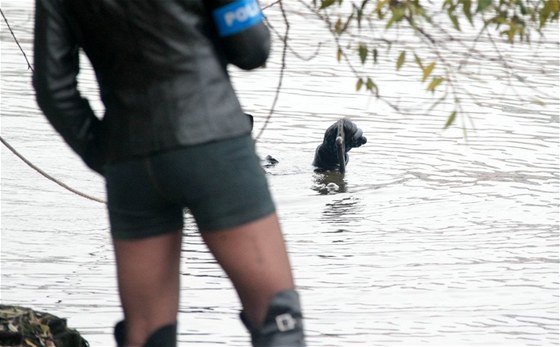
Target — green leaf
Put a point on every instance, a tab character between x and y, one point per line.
359	84
339	54
372	87
483	5
436	81
370	84
401	60
427	71
418	61
538	102
454	20
338	26
467	10
341	27
510	32
398	15
550	9
375	55
391	21
363	51
326	3
450	119
359	18
380	5
522	8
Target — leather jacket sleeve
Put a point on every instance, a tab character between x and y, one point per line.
244	37
56	66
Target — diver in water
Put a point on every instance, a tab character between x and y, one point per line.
339	139
332	154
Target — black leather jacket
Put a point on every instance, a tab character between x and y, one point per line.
161	75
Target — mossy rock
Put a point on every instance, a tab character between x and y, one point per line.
20	326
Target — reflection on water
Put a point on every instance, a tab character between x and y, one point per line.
426	240
329	182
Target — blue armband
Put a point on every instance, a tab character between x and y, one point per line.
237	16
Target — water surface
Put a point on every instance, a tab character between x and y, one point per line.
428	239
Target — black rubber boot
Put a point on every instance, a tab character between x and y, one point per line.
165	336
283	325
119	333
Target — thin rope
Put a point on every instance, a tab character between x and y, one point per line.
46	175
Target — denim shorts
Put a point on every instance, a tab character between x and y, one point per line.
221	183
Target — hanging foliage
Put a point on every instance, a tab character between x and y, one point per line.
366	30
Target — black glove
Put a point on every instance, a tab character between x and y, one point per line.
94	153
243	36
353	136
326	154
251	120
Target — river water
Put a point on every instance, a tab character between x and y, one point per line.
428	239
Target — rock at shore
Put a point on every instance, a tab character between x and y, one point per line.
20	326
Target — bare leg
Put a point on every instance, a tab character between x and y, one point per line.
148	277
255	259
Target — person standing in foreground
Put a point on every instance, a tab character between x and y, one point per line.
173	136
